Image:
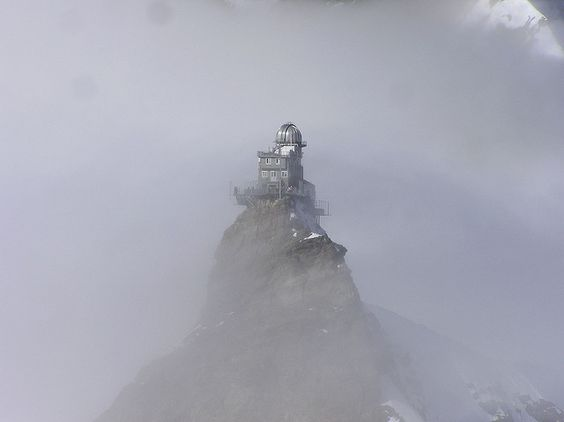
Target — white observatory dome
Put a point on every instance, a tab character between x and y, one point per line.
289	134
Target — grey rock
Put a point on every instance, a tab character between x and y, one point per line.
283	336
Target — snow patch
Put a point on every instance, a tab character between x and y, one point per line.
521	15
313	236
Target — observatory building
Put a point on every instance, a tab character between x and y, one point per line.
281	174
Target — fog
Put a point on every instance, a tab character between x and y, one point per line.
438	145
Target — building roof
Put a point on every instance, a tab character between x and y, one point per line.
288	134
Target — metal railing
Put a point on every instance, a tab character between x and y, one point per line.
245	194
274	187
321	207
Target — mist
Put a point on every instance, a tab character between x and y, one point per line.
438	145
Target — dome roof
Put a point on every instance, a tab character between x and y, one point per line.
289	134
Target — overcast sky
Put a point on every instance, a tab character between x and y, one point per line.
122	123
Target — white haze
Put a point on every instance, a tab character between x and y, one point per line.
122	123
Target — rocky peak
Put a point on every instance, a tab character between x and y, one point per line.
283	335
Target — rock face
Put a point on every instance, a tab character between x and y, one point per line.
283	336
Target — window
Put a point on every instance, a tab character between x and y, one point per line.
284	173
273	175
269	161
278	161
264	174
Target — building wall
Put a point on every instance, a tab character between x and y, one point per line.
277	164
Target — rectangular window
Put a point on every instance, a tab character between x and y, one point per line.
278	161
273	175
269	161
284	173
264	174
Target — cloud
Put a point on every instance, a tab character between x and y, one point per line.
122	124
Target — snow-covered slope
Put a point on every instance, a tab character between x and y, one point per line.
522	16
445	381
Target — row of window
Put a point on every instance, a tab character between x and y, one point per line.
269	161
274	174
